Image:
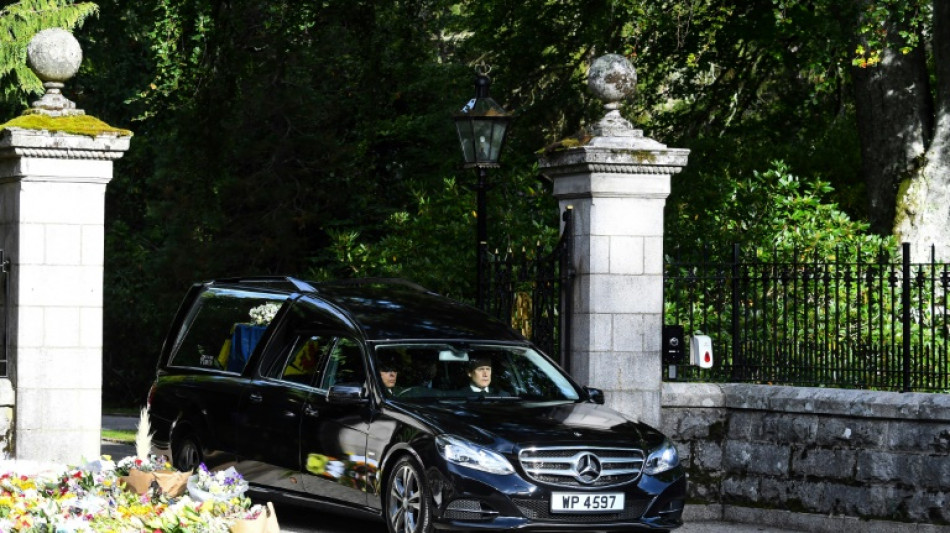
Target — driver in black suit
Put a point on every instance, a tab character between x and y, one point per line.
479	376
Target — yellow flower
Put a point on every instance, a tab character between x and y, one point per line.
24	483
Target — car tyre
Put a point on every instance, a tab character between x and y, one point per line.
408	504
186	453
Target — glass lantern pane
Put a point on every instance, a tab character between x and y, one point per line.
483	140
497	139
467	139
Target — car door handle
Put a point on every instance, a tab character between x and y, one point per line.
309	410
255	397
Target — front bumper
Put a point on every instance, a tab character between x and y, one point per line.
471	500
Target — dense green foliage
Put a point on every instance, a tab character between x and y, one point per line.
315	138
784	216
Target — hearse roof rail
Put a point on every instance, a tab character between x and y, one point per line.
271	282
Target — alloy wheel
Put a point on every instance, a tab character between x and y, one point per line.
407	510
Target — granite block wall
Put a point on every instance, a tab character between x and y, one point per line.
833	452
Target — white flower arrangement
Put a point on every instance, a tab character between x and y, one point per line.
222	485
148	463
264	313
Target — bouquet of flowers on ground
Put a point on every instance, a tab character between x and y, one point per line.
257	519
222	485
150	463
89	498
140	475
144	470
184	514
244	517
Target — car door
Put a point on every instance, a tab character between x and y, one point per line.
271	410
333	434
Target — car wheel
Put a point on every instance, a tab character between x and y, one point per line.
186	453
407	499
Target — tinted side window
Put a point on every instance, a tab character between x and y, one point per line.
224	327
302	362
345	365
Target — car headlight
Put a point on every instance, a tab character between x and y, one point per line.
661	459
465	453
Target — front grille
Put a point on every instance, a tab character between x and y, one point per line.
582	466
540	509
468	510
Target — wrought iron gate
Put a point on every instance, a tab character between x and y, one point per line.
532	292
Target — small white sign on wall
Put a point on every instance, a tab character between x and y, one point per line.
701	351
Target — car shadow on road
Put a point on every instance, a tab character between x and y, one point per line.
302	519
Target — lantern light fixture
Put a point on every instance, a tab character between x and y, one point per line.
482	126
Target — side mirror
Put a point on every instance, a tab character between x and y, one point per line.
594	395
346	394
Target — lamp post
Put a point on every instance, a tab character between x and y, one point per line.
482	126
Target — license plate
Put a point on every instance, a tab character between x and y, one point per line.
581	502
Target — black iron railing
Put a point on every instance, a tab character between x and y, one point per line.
531	290
873	321
4	315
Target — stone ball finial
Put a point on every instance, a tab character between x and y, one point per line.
54	55
612	78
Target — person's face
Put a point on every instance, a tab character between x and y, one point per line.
388	376
480	376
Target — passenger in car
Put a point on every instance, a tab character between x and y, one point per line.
389	374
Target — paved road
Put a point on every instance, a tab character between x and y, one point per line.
296	519
300	520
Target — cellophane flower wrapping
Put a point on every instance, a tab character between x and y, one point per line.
222	485
258	519
138	473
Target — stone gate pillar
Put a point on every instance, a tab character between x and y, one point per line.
617	181
55	162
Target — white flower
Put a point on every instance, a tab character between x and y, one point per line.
221	485
264	313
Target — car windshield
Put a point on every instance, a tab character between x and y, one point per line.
470	372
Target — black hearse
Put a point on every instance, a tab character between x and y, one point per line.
360	396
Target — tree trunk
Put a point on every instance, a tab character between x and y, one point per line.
894	113
923	205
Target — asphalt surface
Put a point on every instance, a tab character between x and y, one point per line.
298	519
